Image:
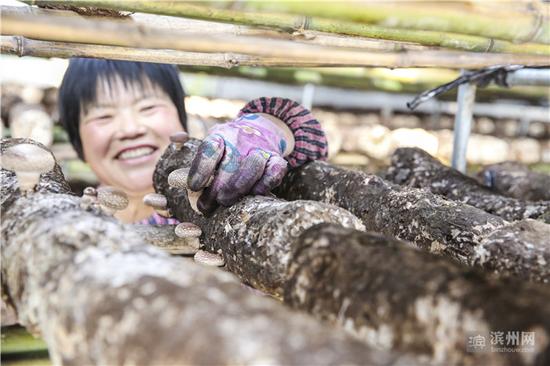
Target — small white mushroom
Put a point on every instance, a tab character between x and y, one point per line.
158	202
178	179
189	231
179	138
89	197
209	259
28	161
90	191
111	199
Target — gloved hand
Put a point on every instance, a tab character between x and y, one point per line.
249	151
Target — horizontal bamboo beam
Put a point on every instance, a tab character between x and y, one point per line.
514	26
118	33
22	46
217	28
297	23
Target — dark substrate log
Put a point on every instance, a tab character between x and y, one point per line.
255	234
384	292
431	222
98	294
516	180
416	168
399	297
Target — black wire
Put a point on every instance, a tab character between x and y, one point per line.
481	78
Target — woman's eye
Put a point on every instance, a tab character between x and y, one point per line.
148	108
103	118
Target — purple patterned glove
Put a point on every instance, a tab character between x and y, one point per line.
244	156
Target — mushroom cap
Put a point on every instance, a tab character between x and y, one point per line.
188	230
155	200
112	197
209	259
178	178
179	137
90	191
27	158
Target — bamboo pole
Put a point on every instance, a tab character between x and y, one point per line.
217	28
514	26
119	33
296	23
22	46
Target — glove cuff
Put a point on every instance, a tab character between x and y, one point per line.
310	142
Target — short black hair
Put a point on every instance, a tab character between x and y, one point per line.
79	88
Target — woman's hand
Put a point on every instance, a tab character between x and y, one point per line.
241	156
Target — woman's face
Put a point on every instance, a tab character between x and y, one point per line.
124	133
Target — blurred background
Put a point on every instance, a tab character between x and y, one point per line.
365	122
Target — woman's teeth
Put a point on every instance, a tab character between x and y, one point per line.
136	153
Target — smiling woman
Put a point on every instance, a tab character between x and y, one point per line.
123	136
119	116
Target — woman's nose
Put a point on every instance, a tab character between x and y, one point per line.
129	125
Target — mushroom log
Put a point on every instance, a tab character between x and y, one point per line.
386	294
516	180
256	234
416	168
100	295
462	232
398	297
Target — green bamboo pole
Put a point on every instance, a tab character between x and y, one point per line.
506	25
292	23
121	33
218	28
21	46
117	33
